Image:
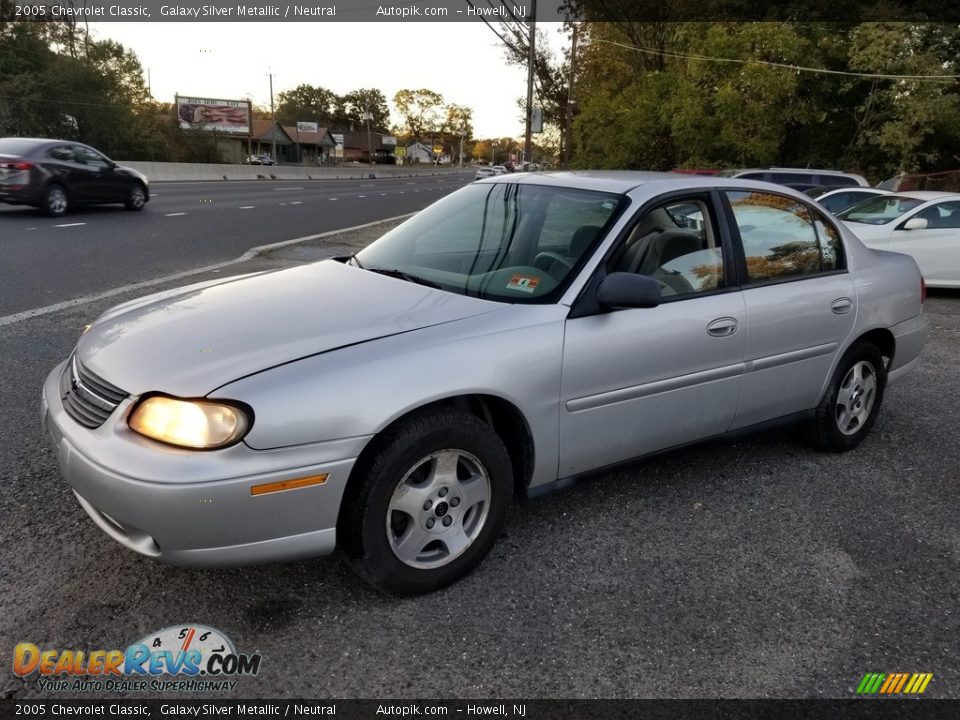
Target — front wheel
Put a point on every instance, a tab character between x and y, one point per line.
852	401
136	197
432	498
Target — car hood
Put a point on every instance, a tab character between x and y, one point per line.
190	341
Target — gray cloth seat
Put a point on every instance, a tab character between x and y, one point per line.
654	251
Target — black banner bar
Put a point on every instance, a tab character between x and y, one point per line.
843	11
858	709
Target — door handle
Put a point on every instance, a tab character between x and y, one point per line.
842	305
723	327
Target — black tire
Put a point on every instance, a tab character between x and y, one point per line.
841	424
56	202
366	526
136	197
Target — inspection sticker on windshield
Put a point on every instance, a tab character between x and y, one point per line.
523	283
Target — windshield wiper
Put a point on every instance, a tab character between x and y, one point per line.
409	277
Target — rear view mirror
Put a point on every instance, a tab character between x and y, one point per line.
628	290
915	223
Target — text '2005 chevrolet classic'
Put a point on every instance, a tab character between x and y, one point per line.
521	332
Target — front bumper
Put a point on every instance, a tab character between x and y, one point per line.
196	508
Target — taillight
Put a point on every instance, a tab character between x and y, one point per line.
17	165
923	290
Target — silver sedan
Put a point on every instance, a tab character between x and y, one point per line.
520	333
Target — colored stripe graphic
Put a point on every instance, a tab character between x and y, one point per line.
894	683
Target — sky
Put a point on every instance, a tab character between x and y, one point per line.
463	61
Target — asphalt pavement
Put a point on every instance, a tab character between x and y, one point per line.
186	225
751	568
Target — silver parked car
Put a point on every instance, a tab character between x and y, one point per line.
520	333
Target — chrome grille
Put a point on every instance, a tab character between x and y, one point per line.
88	399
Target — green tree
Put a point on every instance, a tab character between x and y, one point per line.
421	112
356	103
307	103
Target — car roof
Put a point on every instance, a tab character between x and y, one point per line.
852	188
623	181
927	195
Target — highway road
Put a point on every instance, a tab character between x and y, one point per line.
186	225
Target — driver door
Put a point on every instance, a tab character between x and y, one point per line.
635	381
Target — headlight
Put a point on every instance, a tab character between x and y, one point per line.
197	424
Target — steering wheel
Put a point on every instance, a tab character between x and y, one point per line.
546	259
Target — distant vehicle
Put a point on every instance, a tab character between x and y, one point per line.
259	160
800	179
485	171
924	225
499	170
837	199
56	175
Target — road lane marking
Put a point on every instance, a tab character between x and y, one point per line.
248	255
282	189
334	198
175	214
360	196
70	225
382	194
246	207
296	202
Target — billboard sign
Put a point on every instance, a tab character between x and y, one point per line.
388	140
338	148
226	116
308	127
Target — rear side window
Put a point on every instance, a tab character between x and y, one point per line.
62	152
780	237
831	246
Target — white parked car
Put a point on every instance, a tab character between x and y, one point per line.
499	170
836	200
485	171
520	333
924	225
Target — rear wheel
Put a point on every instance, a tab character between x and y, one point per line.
432	499
852	401
55	200
136	197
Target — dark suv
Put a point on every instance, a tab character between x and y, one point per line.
55	175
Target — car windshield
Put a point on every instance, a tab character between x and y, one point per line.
509	242
880	210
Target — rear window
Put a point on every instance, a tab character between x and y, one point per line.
16	146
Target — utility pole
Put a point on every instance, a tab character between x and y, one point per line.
530	60
570	82
368	116
273	119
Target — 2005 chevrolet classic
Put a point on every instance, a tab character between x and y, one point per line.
521	332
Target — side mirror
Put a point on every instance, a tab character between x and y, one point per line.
915	223
628	290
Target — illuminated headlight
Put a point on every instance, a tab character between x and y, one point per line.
199	424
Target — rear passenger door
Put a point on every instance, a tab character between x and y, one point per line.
799	300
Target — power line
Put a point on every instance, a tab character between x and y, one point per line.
798	68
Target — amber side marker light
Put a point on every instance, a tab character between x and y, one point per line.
288	484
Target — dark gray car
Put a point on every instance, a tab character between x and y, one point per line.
56	175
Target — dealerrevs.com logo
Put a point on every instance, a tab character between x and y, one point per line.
182	658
